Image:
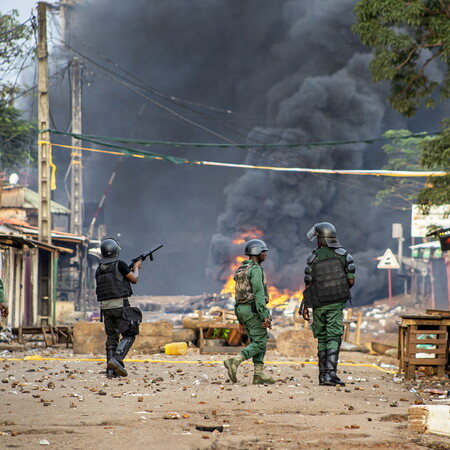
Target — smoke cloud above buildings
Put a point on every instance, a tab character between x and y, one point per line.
253	71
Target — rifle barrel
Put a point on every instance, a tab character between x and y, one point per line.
145	254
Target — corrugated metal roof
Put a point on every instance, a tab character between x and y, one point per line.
19	241
12	226
32	201
23	197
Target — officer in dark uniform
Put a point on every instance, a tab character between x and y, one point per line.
113	277
251	311
329	275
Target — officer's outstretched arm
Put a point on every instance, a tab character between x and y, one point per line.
133	276
259	293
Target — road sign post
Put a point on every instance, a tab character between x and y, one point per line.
389	261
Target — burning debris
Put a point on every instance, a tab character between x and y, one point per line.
278	299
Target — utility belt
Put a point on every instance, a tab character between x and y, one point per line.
130	319
251	304
126	303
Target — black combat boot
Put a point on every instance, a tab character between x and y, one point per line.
116	362
322	355
110	372
330	377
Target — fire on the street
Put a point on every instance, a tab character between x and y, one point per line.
277	298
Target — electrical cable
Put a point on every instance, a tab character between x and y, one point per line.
17	27
137	88
158	93
177	160
174	98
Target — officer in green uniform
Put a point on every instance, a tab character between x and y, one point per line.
251	311
329	275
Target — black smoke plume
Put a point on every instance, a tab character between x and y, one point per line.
275	72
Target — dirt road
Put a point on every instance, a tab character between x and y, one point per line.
68	403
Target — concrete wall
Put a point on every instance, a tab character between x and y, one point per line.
90	337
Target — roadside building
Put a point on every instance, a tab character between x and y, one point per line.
21	251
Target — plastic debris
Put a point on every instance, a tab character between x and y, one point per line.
171	415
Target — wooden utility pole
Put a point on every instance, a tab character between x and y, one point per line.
44	214
76	192
45	260
76	188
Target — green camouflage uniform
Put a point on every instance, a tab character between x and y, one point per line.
251	298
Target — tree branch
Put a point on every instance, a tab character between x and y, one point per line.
422	69
408	58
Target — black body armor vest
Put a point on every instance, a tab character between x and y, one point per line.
329	283
111	283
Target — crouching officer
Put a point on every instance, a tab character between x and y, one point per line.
114	278
329	275
251	311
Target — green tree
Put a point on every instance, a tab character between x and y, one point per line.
435	155
16	134
16	138
14	45
408	37
403	153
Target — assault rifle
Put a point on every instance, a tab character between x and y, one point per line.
144	255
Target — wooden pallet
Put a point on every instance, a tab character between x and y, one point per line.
412	329
53	336
224	319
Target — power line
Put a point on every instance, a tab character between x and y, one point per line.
129	84
17	27
148	142
122	150
172	99
182	103
151	89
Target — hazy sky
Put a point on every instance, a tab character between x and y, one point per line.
23	6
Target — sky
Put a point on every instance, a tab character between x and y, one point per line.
24	7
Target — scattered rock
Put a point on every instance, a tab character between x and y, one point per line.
171	415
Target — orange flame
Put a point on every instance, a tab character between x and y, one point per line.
251	233
277	298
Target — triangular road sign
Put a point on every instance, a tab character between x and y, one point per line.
388	261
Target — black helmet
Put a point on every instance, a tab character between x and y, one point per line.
325	233
110	249
254	247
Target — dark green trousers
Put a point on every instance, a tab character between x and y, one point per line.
328	326
256	333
